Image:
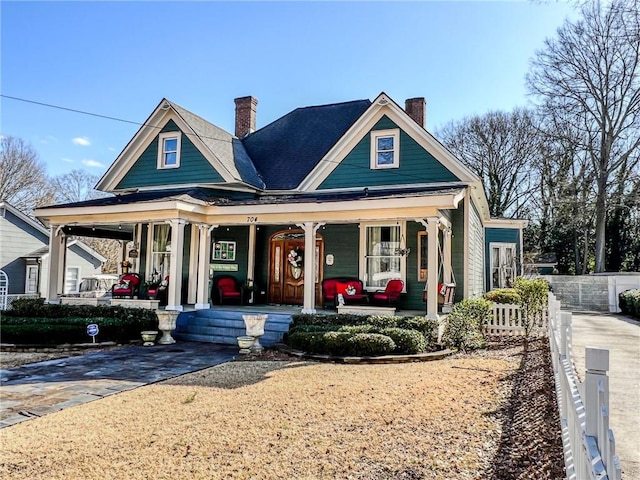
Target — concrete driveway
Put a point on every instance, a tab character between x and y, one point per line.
621	335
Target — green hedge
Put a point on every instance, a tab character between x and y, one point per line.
503	295
629	302
31	321
348	335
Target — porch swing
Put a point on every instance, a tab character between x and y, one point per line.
446	291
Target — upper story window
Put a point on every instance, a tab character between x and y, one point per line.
385	149
169	150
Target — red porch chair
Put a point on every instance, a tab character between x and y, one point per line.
127	286
390	295
226	287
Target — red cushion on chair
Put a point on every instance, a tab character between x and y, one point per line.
341	288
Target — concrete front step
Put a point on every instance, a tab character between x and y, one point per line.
224	326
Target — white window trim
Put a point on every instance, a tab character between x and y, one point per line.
227	243
501	246
66	279
375	134
26	280
161	138
363	252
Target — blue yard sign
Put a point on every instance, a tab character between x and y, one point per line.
92	331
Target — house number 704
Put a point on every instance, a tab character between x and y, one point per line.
252	219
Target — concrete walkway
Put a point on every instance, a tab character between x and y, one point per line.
621	336
40	388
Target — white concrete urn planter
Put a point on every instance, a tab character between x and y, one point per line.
255	328
245	343
149	337
167	323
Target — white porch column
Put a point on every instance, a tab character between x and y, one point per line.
446	277
175	270
57	260
204	253
251	259
310	229
193	265
432	267
123	255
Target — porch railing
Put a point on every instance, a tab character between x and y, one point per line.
589	444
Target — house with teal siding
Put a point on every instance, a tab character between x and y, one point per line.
353	190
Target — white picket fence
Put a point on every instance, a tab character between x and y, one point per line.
506	320
589	444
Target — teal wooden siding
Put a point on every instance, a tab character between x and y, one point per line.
240	235
194	168
458	253
502	235
341	241
413	299
416	165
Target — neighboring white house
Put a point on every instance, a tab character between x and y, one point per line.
24	255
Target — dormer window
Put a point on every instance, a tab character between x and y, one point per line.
385	149
169	150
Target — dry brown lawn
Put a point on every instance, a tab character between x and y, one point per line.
281	420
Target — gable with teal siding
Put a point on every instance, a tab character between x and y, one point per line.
194	167
416	165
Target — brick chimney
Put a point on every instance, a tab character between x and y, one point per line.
245	115
416	108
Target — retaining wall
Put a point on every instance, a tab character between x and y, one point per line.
596	292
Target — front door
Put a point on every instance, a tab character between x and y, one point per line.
286	267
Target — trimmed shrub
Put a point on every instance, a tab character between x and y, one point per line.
54	331
371	344
333	319
503	295
427	326
465	324
384	321
313	328
359	329
310	342
629	302
407	341
337	343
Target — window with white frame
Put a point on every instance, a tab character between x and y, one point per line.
169	150
224	250
31	283
71	282
160	252
383	261
385	149
503	264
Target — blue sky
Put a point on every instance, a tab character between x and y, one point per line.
119	59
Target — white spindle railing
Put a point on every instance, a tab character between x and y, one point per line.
589	445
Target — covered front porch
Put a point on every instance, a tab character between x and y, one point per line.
189	240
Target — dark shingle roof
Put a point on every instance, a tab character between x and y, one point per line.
285	151
226	148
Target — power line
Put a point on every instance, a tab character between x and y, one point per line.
73	110
107	117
